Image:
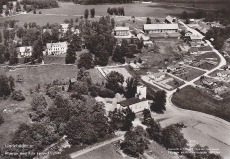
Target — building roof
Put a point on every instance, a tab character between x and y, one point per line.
169	19
205	48
194	49
121	28
64	25
62	44
144	37
130	101
158	74
161	26
195	37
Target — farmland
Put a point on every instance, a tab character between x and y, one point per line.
70	10
194	99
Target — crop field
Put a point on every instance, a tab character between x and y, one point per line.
71	10
195	99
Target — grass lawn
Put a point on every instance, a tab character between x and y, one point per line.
75	148
31	77
195	99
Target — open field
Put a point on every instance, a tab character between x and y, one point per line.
194	99
71	10
105	152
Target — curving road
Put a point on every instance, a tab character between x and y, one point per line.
203	128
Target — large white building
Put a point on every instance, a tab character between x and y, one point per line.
25	51
160	28
136	104
56	48
121	31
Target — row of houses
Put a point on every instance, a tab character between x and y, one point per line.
51	49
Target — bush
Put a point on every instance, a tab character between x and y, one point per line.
1	119
106	93
40	12
52	91
18	96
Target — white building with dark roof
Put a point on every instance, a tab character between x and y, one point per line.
160	28
56	48
121	31
137	104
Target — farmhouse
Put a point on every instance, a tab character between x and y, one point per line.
160	28
121	31
135	104
170	20
196	38
56	48
24	51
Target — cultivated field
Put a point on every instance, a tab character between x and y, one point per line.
71	10
194	99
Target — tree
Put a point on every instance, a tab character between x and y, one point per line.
86	14
38	105
86	61
76	20
154	130
173	138
34	12
92	12
118	55
114	82
17	95
24	7
184	15
70	54
7	12
18	7
25	25
131	87
37	50
4	86
135	142
1	120
148	21
112	22
1	37
158	104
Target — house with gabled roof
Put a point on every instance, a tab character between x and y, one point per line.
170	19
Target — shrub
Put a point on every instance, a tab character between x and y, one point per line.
1	119
106	93
18	96
52	91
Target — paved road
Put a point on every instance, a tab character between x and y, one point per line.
206	129
94	147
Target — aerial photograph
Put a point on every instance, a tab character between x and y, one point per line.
114	79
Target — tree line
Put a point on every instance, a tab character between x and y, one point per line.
40	4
